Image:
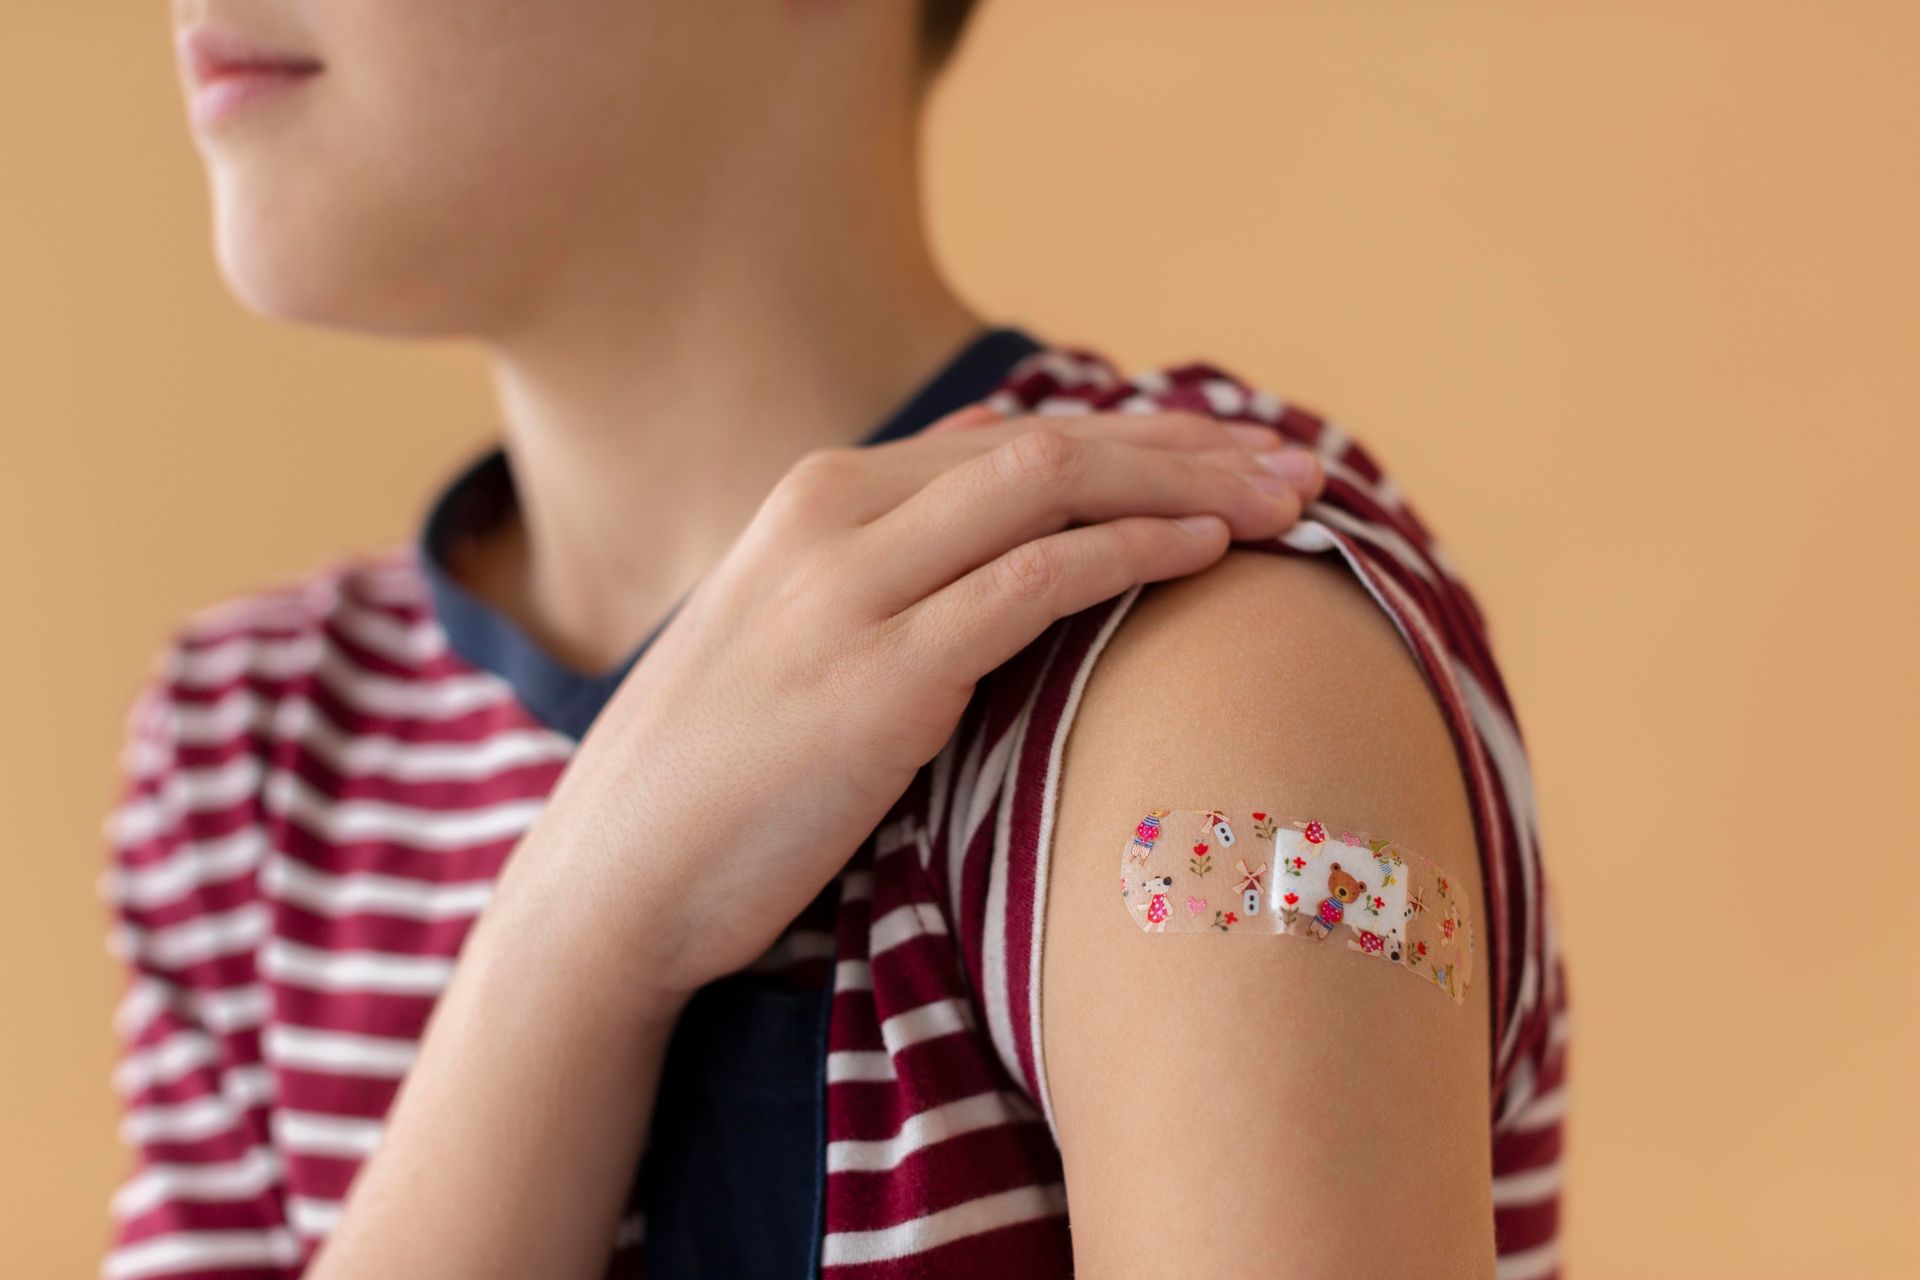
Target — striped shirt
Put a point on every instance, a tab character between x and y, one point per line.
321	786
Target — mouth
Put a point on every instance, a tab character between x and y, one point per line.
229	71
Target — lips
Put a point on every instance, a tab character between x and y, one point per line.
211	53
231	71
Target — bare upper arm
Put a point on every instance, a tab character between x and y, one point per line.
1227	1099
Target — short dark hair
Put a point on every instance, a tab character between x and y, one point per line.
941	22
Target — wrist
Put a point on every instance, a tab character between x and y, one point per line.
559	910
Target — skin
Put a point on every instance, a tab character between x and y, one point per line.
624	205
1222	1098
827	658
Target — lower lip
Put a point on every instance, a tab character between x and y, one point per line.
232	92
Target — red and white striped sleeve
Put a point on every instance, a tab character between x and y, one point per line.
204	1196
1365	523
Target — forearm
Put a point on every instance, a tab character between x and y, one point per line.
513	1143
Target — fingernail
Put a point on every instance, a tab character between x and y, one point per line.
1201	526
1298	466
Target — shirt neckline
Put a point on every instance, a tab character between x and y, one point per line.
481	492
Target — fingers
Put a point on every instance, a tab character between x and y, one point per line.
1040	482
895	469
1300	466
986	617
972	415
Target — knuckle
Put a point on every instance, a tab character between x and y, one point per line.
825	465
1043	457
1028	572
809	482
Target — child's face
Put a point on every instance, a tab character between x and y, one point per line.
452	153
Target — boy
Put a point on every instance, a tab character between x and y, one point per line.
690	237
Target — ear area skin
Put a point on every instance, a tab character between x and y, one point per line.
1227	1105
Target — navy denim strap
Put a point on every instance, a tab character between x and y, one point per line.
733	1178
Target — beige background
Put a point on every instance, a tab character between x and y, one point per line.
1626	296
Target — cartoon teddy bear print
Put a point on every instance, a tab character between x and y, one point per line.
1343	890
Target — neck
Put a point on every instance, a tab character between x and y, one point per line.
654	392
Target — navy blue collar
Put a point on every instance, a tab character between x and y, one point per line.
482	493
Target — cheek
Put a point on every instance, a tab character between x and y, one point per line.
442	148
489	104
439	85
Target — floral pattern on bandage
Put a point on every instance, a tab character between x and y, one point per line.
1251	871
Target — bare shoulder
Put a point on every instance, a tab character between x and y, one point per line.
1222	1099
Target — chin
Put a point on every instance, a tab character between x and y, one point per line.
331	269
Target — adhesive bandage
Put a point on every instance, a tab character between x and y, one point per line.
1208	870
